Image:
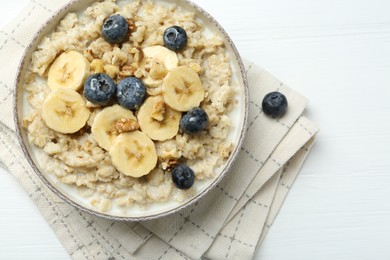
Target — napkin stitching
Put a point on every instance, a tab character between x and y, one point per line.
247	70
16	27
260	112
286	167
12	38
238	240
143	238
235	231
251	156
285	186
226	193
80	248
35	184
9	91
304	148
199	227
255	202
165	252
277	163
65	216
116	251
304	127
90	224
186	219
23	20
111	225
283	124
5	85
6	97
41	5
256	105
256	117
181	254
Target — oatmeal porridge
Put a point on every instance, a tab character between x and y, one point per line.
129	103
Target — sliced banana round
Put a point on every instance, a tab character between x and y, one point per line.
157	120
69	70
133	154
161	61
65	111
182	89
161	55
110	122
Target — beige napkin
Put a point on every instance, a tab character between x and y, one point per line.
227	224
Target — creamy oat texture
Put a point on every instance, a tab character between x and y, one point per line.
76	159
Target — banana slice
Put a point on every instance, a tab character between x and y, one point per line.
182	89
157	120
162	59
110	122
69	70
161	55
65	111
133	154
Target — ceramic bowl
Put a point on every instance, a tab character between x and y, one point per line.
156	210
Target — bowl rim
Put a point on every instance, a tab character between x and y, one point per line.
232	158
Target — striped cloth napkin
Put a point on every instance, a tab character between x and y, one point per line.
228	223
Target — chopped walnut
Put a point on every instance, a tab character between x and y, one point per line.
139	73
159	110
89	54
169	164
111	70
131	24
154	91
125	125
138	54
97	66
126	71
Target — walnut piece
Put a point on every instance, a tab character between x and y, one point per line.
138	54
131	24
159	110
125	125
97	66
126	71
111	70
169	164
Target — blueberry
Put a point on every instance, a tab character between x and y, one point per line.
115	29
274	104
183	177
99	88
194	121
175	38
131	93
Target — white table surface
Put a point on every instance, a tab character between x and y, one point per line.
337	53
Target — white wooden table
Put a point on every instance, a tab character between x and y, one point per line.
337	53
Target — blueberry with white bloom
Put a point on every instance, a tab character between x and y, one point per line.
175	38
99	88
194	121
131	93
115	29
